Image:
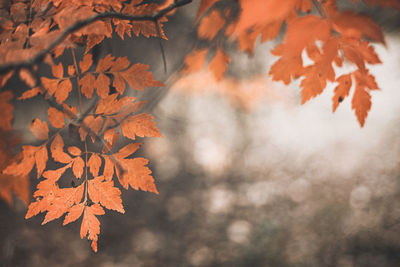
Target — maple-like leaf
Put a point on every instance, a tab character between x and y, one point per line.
90	224
342	90
64	199
139	125
104	193
138	77
361	102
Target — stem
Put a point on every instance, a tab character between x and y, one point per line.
77	80
86	174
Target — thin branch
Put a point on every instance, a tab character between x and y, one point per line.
82	23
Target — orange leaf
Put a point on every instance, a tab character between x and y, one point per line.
102	84
39	129
41	158
50	84
64	199
94	164
262	12
87	84
74	213
219	64
108	172
361	102
71	70
138	77
27	77
204	6
63	90
58	71
77	167
6	111
127	150
94	124
86	63
136	175
74	151
195	61
56	117
29	93
341	90
105	193
90	224
139	125
211	25
57	150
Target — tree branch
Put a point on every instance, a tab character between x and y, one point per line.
82	23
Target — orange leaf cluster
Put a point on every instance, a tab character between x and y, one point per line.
63	137
329	37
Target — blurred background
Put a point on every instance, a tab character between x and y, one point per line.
247	176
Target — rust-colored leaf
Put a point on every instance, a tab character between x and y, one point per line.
57	150
139	125
94	164
63	90
58	71
219	64
87	83
90	224
86	63
39	129
342	90
138	77
56	117
104	193
211	25
41	158
77	167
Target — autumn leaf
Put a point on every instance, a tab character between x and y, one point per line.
87	84
195	61
58	71
90	224
74	151
94	164
341	90
77	167
104	193
57	150
219	64
211	25
39	129
86	63
56	117
204	6
361	102
138	77
139	125
74	213
41	158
